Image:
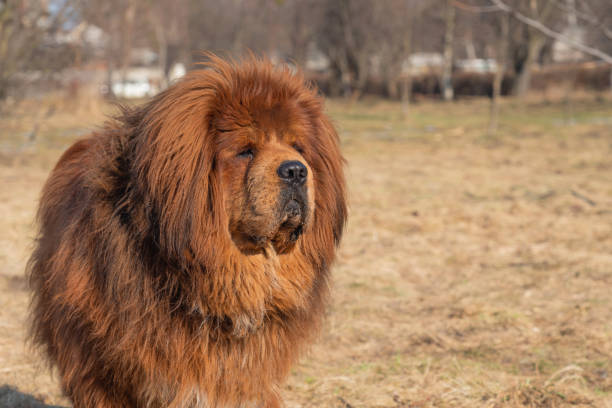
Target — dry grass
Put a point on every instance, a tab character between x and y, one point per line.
475	270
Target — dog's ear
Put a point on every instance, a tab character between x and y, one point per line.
330	190
174	160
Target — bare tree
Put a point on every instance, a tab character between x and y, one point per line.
540	10
393	26
535	23
169	23
126	29
501	59
449	39
406	83
541	27
25	26
300	16
598	14
366	42
347	35
110	16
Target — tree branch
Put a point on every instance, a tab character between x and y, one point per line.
589	16
553	34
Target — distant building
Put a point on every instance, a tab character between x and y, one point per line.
479	65
423	62
316	61
136	82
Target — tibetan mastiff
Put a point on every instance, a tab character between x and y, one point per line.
184	249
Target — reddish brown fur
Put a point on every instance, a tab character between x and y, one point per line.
147	290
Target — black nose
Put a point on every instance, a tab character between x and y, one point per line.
292	172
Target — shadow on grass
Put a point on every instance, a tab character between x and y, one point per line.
12	398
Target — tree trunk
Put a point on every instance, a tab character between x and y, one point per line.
449	37
126	39
502	57
109	79
162	47
298	35
523	79
406	81
406	91
470	48
360	78
536	41
391	83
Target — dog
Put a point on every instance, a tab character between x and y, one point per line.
184	250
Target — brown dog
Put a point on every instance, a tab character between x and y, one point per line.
184	249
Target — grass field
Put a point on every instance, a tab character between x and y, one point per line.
476	270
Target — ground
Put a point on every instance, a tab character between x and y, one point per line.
476	269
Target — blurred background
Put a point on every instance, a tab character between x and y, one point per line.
395	49
476	268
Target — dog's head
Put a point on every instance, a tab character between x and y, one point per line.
242	154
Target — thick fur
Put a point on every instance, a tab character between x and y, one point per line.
164	273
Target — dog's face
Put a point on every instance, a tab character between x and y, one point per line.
267	185
239	157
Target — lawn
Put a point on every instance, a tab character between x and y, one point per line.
475	271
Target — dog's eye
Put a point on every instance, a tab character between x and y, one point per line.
247	153
298	148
